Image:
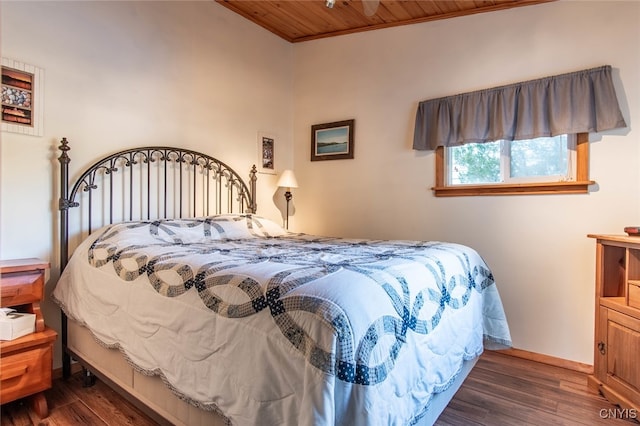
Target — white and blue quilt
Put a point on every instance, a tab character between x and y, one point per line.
269	327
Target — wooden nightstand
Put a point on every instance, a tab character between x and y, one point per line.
26	363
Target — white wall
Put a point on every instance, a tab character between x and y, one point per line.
122	74
536	245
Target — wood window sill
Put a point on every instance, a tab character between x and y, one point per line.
581	187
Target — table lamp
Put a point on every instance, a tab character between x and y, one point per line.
287	180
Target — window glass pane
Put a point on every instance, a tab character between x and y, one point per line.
539	157
475	163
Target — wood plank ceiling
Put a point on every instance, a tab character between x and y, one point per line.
302	20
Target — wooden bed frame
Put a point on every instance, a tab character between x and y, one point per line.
145	184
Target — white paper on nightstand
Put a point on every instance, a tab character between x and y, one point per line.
16	324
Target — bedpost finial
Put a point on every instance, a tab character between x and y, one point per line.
64	147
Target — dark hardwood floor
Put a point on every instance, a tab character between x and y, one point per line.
505	390
71	404
501	390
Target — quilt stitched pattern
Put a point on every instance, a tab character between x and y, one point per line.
226	243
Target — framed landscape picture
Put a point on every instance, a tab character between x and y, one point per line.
332	141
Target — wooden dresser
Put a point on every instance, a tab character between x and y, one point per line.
617	320
26	362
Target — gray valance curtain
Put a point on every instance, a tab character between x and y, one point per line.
578	102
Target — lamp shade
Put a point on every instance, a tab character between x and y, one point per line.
287	179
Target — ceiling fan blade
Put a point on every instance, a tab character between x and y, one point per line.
370	7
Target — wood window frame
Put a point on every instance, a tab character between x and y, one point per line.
578	186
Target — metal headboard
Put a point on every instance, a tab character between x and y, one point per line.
146	183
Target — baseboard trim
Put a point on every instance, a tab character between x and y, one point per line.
548	359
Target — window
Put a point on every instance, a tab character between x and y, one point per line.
577	103
535	166
532	160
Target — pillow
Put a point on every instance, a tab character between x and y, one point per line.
195	230
236	226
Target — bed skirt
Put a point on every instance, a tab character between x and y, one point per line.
155	399
148	393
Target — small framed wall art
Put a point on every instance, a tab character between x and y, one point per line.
332	141
266	153
22	97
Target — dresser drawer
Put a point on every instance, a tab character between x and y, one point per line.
21	288
634	295
25	372
623	345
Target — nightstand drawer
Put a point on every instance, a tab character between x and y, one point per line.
27	372
21	288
